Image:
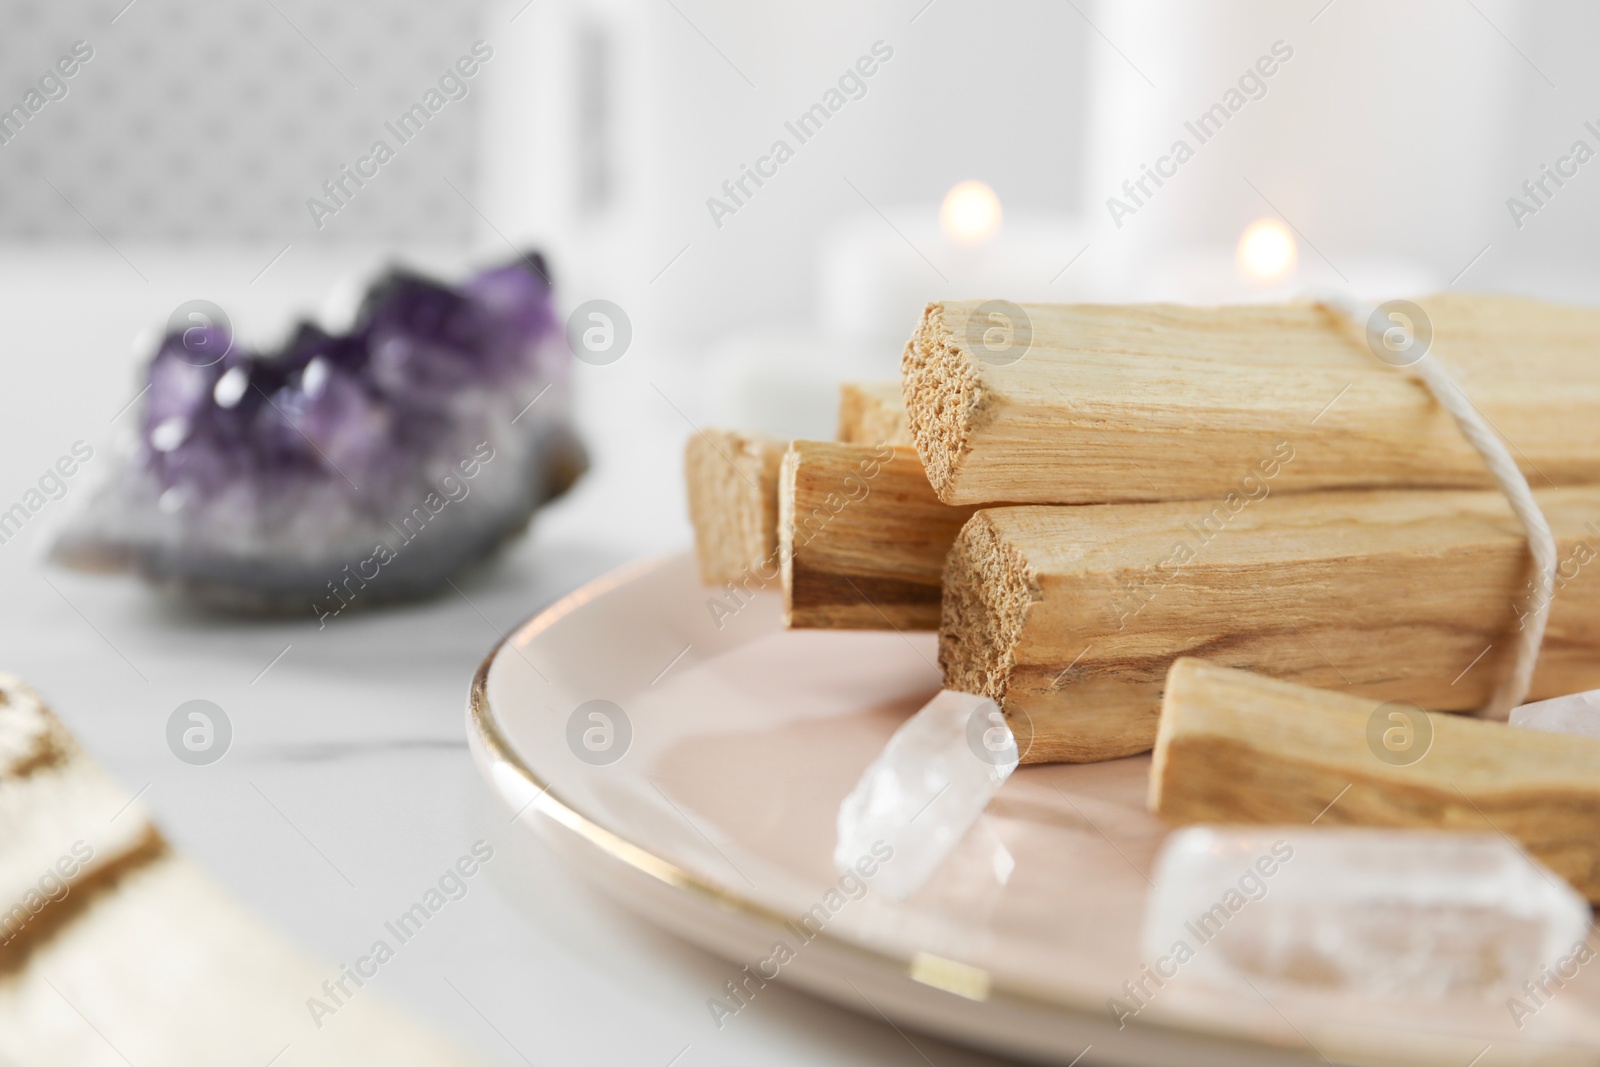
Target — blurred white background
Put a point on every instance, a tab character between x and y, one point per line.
1380	156
1384	151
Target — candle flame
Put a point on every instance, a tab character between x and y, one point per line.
1267	252
970	213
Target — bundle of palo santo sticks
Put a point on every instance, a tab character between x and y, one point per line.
1247	485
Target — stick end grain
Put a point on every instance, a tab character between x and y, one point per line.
732	479
942	390
988	587
872	413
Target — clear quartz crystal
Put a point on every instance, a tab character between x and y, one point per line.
926	789
1578	713
1384	913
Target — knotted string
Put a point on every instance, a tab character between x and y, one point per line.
1513	688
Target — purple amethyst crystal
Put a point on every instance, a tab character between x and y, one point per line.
343	470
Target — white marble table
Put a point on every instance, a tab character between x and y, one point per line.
348	787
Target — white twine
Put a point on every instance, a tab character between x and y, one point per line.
1513	688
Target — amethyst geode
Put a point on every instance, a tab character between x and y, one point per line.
343	470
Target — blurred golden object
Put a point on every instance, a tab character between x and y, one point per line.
114	949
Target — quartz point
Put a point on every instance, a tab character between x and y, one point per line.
265	481
926	789
1578	713
1381	913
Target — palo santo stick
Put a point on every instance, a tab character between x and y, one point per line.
1072	615
733	501
733	481
872	413
1161	402
1236	747
862	537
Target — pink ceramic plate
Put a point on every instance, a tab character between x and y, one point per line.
717	822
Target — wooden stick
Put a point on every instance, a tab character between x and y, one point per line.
1072	615
1236	747
872	413
862	537
733	501
1161	402
732	480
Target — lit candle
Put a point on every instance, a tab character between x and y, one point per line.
877	273
1267	252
